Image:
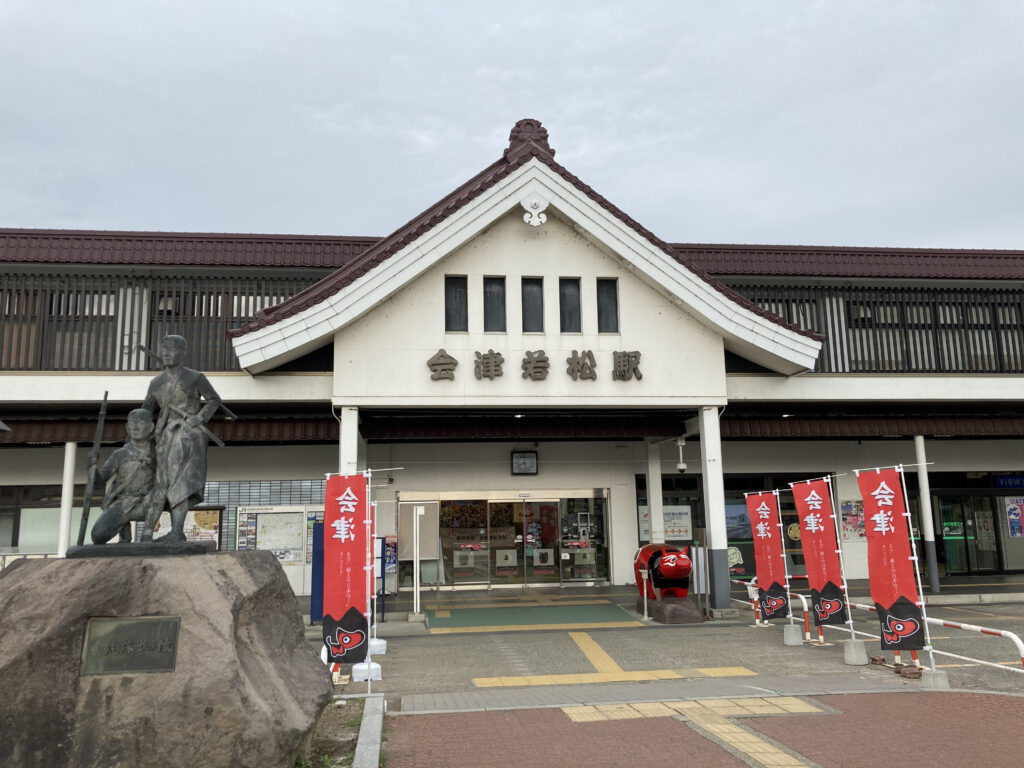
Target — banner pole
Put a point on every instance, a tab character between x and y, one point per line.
917	567
368	575
782	546
842	562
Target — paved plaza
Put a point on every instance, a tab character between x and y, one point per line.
501	679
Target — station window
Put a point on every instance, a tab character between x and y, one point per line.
494	304
607	305
533	305
569	304
456	309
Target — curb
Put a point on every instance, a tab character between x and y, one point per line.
370	731
982	597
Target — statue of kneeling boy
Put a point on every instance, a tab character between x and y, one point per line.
132	469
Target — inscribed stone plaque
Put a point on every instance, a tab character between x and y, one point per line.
129	646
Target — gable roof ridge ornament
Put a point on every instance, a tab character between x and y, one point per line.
528	138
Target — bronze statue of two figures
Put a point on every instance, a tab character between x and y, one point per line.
162	465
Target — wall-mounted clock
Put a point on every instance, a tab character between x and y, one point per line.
524	462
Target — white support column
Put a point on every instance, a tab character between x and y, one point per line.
655	508
714	507
927	525
348	441
67	497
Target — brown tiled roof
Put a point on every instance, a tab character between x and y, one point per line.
830	428
527	140
49	432
58	246
825	261
65	246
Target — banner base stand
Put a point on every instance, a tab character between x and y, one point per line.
413	617
378	647
364	672
934	680
855	653
792	634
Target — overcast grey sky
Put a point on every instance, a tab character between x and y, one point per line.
890	123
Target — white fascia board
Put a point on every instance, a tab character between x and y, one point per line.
757	338
79	387
499	401
857	388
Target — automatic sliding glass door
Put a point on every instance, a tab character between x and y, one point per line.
523	542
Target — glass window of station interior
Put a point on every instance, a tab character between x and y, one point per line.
607	305
569	305
494	304
533	304
456	304
682	505
737	522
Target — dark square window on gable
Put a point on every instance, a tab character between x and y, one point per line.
456	309
607	305
533	305
494	304
569	304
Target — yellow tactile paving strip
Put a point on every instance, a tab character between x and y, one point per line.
710	717
595	654
623	676
704	710
607	671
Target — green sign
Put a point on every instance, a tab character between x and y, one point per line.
130	646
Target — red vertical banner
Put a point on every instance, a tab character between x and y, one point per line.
890	565
346	553
763	509
821	550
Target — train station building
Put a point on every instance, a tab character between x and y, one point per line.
552	382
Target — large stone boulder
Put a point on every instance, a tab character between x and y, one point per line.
246	686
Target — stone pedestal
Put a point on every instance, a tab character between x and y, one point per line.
671	610
235	682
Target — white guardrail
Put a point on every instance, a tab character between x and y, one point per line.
1015	639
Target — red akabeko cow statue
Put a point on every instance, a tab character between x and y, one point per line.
668	570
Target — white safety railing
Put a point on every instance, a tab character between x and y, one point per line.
1015	639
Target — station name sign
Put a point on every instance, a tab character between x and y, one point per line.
535	364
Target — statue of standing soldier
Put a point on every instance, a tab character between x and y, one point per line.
184	401
163	468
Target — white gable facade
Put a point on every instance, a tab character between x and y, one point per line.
665	353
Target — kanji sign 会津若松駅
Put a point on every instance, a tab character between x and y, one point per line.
821	550
346	557
769	556
581	365
891	572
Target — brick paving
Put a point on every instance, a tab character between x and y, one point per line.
515	738
857	730
921	730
